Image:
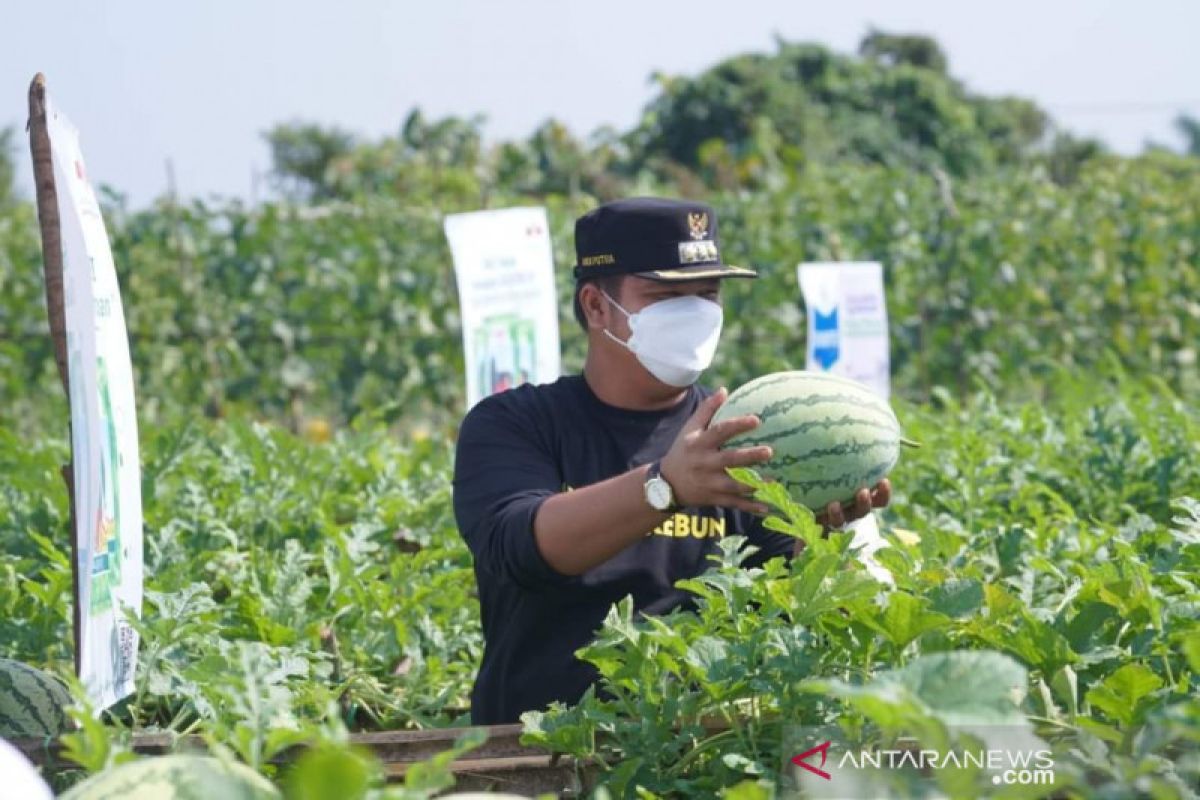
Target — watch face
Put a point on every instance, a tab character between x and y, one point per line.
658	492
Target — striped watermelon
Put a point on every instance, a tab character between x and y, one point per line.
831	436
32	703
177	777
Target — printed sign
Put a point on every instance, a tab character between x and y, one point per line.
104	438
505	272
847	321
848	336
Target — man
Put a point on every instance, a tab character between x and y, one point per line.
575	494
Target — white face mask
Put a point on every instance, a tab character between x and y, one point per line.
676	339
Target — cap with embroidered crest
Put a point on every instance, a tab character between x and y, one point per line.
651	237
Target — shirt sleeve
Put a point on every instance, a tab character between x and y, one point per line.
770	544
503	472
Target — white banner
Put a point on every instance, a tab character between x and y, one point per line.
505	271
848	336
847	321
104	441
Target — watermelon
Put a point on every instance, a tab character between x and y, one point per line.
830	436
176	777
32	703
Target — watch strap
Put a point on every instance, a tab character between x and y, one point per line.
656	472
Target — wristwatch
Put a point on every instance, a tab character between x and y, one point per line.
658	491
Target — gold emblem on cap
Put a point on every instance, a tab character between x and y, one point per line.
698	224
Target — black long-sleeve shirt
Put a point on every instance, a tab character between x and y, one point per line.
515	450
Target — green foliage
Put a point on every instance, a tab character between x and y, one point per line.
892	50
1006	255
429	161
741	124
1055	534
896	107
279	607
1189	127
1033	589
274	581
8	169
303	156
1044	543
340	309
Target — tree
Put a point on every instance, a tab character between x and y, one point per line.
301	157
721	104
450	141
745	123
1067	155
893	49
1189	127
895	105
1013	126
7	166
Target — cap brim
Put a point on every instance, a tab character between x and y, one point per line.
698	272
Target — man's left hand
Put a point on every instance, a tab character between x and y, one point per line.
836	515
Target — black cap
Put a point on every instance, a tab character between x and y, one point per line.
651	237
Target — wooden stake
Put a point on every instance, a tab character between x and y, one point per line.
47	205
52	270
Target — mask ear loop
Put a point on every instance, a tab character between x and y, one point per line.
615	303
628	316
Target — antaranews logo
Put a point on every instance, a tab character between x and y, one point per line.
826	765
802	759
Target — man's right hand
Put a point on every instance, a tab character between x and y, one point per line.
695	465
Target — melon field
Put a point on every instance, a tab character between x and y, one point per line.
296	589
300	384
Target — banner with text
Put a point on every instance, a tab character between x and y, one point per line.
104	437
505	271
847	321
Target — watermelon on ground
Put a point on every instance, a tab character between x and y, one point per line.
176	777
33	703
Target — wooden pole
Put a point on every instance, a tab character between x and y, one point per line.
52	270
47	205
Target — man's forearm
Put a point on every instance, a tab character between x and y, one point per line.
578	530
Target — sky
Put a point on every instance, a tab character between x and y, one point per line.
194	84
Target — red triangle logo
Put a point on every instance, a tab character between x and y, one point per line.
802	760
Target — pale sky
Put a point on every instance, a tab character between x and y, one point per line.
197	82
